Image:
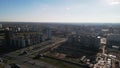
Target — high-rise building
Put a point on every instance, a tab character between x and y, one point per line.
47	33
113	40
0	25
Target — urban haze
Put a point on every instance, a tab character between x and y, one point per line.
59	34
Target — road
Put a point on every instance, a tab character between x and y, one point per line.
48	46
27	62
104	62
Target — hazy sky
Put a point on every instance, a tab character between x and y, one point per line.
60	10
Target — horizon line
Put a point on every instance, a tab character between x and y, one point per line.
61	22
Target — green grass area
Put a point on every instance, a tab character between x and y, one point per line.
16	52
31	55
5	61
2	37
2	65
60	64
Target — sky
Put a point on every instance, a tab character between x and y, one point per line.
104	11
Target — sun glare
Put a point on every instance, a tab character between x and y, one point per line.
113	2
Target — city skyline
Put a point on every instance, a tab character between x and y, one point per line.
104	11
